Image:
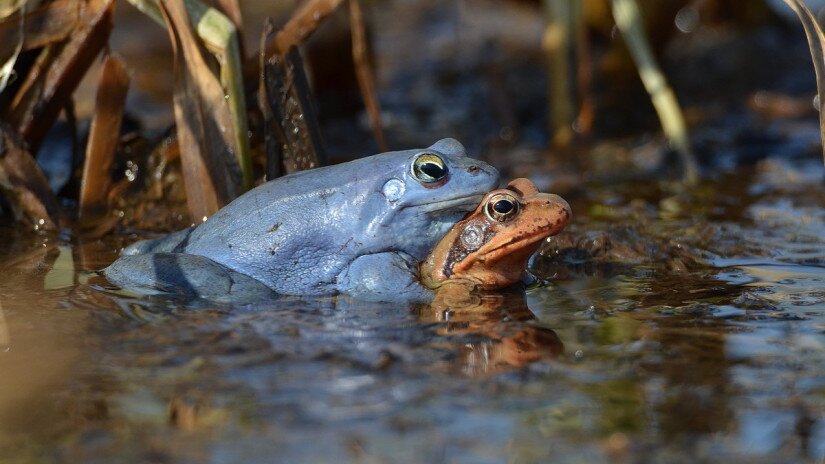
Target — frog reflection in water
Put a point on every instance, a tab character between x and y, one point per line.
494	331
316	232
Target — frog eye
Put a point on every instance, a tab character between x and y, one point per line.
429	168
501	207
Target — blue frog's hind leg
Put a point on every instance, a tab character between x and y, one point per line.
190	276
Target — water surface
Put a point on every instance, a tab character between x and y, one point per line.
673	326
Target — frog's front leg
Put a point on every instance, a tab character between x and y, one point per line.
186	275
390	276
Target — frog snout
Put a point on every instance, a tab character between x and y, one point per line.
560	207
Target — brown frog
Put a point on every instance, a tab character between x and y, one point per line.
489	250
486	250
490	247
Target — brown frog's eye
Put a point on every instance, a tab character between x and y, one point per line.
502	207
429	168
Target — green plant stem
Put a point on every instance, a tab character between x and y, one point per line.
629	21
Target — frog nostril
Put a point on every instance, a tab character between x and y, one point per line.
473	169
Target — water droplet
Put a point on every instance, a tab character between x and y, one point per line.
687	19
506	133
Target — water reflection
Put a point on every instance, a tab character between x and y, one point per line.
658	362
507	336
41	344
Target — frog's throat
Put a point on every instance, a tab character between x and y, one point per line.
467	203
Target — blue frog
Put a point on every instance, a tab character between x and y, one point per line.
316	232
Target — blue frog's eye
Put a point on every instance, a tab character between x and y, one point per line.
502	207
429	168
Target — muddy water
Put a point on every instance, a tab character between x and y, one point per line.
667	325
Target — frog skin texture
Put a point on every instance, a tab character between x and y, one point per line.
488	250
316	232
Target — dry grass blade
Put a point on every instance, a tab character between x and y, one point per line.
302	24
103	138
221	37
556	43
10	7
287	100
49	86
232	10
206	135
7	70
584	78
363	71
25	186
816	42
274	139
46	25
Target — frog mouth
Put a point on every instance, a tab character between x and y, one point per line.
520	247
463	204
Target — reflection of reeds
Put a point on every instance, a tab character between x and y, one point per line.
629	21
816	41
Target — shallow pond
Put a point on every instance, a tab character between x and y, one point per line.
668	325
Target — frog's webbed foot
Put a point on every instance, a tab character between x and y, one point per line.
190	276
384	277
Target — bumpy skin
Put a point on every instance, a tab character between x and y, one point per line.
298	234
490	250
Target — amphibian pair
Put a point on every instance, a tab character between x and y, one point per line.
359	228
